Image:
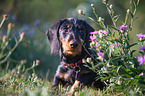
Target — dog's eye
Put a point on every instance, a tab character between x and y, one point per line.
81	31
65	29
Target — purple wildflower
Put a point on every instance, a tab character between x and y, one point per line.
100	54
111	45
122	28
142	48
140	35
97	47
95	32
104	32
141	59
93	38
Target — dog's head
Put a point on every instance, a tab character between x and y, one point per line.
71	35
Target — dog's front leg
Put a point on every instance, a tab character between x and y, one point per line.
55	82
74	87
59	77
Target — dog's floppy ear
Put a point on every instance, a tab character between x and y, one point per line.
89	29
52	34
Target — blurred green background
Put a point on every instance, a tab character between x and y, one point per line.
34	17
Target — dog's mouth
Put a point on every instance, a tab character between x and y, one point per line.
71	52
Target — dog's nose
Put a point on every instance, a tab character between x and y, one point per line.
73	44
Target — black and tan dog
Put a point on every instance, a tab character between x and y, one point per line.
71	38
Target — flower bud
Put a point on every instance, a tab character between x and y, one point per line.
140	39
88	60
22	35
5	15
105	0
110	6
141	74
128	11
37	62
4	38
92	43
119	82
100	55
99	19
92	5
100	34
22	61
9	25
80	11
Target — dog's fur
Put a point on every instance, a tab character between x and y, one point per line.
70	37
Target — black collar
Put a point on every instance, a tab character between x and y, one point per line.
72	65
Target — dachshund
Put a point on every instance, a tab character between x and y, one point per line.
71	38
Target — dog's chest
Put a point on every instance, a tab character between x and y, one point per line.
66	74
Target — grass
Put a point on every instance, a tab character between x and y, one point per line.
17	82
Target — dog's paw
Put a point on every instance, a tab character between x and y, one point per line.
54	87
74	87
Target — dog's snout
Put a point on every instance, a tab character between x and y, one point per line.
73	44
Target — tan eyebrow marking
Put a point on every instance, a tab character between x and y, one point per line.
68	26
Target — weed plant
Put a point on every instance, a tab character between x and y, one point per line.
119	68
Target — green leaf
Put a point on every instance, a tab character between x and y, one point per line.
128	70
9	48
135	19
118	88
109	30
90	18
105	78
113	35
124	39
130	27
128	36
115	18
16	39
117	40
126	76
141	52
131	53
115	28
131	14
137	77
132	45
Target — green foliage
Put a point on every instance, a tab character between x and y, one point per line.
5	40
18	81
119	68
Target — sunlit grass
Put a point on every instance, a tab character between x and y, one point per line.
13	83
